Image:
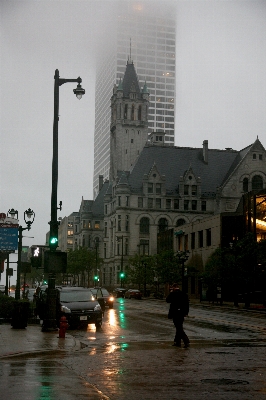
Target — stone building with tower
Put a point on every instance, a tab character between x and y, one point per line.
154	187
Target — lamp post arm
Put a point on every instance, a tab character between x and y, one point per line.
61	81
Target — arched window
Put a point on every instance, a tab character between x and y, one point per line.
180	222
132	112
144	225
162	225
139	113
257	182
125	112
245	185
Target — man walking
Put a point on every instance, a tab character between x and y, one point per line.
179	308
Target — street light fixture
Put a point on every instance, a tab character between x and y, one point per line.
183	257
29	216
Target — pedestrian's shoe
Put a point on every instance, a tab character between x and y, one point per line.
186	345
176	344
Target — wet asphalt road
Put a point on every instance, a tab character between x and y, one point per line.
131	357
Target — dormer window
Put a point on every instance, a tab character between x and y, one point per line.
150	187
254	156
186	189
158	188
194	190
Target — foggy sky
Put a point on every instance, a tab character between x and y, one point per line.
220	90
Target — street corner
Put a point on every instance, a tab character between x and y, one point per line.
15	342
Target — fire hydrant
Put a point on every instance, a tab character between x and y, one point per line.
63	327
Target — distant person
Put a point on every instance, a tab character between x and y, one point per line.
179	308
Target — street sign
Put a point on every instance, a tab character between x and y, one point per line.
55	262
8	237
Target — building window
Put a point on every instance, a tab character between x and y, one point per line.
132	112
140	202
70	232
260	156
139	113
144	225
162	225
158	188
168	203
180	222
150	187
200	238
97	225
208	237
257	182
245	185
186	242
150	202
186	188
194	190
105	229
119	223
132	140
176	204
125	111
254	156
119	200
127	223
127	201
158	203
193	240
104	251
186	204
105	209
194	205
203	205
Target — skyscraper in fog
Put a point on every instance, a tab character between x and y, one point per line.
149	41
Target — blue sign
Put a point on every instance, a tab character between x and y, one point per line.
8	238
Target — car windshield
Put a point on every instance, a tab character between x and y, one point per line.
76	295
105	292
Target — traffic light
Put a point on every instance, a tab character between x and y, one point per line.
96	278
36	257
53	242
122	275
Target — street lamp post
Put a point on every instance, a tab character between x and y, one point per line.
49	323
122	260
27	214
183	257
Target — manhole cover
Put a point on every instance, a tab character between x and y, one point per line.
225	381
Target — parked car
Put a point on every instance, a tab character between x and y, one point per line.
119	292
77	304
104	297
133	294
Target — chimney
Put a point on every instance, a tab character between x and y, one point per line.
205	151
100	182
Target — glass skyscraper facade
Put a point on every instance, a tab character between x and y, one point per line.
150	42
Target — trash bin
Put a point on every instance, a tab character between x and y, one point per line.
20	314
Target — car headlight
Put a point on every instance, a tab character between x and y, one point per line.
65	309
97	307
111	299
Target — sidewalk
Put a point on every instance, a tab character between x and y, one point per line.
14	342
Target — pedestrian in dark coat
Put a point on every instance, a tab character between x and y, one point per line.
179	308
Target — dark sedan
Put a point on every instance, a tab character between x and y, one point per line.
119	292
133	294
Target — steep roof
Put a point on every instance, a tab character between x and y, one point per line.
130	80
97	208
173	162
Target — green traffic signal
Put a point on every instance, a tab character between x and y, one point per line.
96	278
122	275
53	243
